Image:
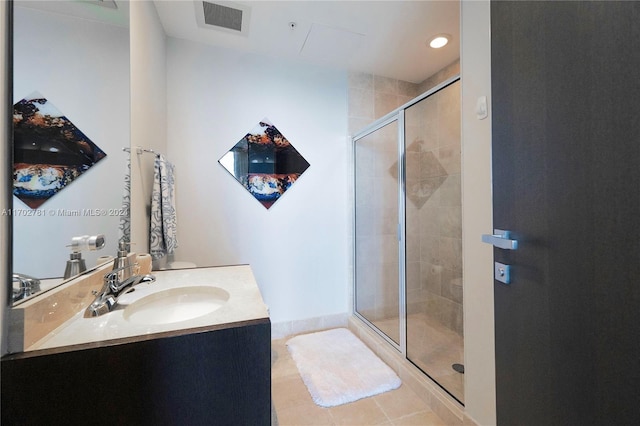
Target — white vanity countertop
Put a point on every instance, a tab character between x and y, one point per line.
244	304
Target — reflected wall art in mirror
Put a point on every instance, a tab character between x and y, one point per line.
265	163
49	151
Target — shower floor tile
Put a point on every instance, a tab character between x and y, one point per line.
434	348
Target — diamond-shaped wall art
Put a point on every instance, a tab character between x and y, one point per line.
265	163
49	151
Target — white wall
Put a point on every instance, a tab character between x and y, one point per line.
298	249
82	67
479	340
148	112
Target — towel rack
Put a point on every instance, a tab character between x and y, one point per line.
140	150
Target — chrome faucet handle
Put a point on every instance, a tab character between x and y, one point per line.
25	280
116	286
28	286
112	276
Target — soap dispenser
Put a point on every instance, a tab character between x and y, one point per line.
122	261
76	264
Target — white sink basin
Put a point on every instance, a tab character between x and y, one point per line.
176	305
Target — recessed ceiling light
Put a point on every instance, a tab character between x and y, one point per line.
439	41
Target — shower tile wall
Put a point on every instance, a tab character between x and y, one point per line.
442	75
371	97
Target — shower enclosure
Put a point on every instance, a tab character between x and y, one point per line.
408	232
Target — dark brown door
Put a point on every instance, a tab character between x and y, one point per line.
566	170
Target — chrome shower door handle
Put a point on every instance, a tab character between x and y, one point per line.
500	239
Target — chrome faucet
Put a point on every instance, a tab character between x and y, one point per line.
107	298
28	286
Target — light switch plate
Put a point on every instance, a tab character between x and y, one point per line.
482	111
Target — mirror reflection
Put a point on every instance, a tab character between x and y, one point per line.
71	123
49	151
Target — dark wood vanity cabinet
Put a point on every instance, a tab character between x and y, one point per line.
219	375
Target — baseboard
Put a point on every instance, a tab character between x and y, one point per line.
280	330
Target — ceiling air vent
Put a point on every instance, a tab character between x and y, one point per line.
224	16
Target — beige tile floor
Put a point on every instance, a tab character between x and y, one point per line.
293	405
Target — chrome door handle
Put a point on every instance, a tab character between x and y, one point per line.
500	239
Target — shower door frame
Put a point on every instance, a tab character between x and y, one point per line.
398	115
394	116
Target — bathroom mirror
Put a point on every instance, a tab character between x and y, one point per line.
71	123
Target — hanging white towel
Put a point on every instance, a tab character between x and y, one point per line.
162	234
124	227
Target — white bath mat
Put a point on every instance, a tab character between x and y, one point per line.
338	368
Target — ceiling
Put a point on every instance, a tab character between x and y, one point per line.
387	38
114	12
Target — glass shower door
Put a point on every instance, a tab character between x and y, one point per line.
433	215
408	233
376	229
